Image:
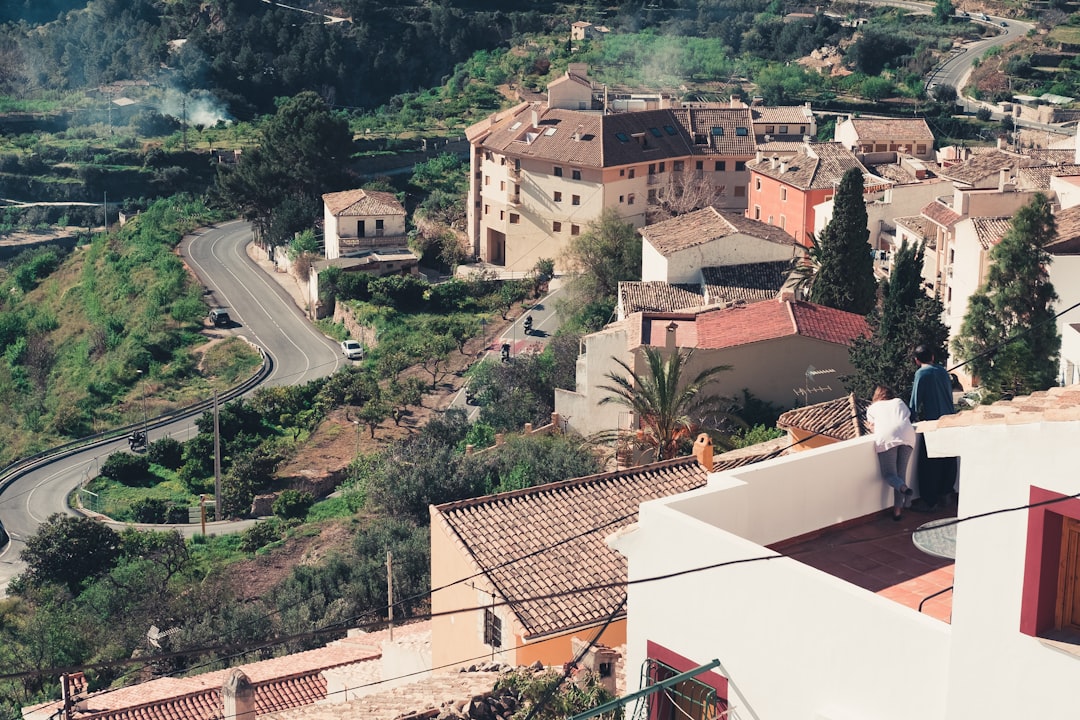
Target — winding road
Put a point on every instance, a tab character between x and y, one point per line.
262	312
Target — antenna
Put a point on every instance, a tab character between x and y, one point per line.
805	392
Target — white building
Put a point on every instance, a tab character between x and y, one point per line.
801	632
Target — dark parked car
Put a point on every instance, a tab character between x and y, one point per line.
220	318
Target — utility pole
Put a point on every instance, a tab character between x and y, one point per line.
217	461
390	591
65	693
105	214
183	120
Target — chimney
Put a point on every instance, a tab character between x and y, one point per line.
783	166
760	156
1003	178
578	132
669	341
774	162
238	696
535	118
703	452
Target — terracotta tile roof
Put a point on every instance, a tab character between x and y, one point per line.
780	147
868	128
749	282
362	202
916	223
782	115
895	172
1067	241
718	131
941	214
979	166
705	226
1058	404
757	322
815	166
658	296
1038	177
843	418
280	683
1052	156
990	230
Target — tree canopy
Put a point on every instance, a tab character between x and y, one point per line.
845	278
670	408
68	550
304	148
1009	336
906	318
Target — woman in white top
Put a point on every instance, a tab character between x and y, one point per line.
894	438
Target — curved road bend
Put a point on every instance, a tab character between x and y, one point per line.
263	312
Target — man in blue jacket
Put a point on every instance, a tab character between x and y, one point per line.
931	397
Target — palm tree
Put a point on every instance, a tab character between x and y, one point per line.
805	269
668	409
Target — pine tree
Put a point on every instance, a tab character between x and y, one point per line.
906	318
845	279
1009	335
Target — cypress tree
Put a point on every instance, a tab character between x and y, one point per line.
845	279
1009	334
906	318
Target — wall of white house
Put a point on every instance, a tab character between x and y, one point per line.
794	641
882	209
999	464
684	266
654	266
1067	190
964	275
581	408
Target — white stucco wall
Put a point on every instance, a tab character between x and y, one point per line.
581	407
1065	277
684	266
654	266
964	276
999	463
883	208
794	641
1067	190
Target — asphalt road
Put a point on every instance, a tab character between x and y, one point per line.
262	312
953	71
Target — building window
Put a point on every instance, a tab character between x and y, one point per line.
770	129
677	165
514	218
783	194
630	199
575	174
379	224
740	191
621	198
802	129
652	195
502	160
740	165
558	171
661	167
920	149
575	199
631	175
487	179
622	172
502	214
699	165
558	196
487	209
556	226
502	185
721	166
757	212
783	129
575	230
757	184
492	629
652	168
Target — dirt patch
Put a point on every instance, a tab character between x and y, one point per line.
253	578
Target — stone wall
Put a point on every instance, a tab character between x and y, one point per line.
364	333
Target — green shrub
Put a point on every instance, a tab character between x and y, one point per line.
177	515
292	504
128	469
167	452
149	510
259	535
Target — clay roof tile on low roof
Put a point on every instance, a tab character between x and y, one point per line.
1067	241
915	223
746	282
980	166
870	128
362	202
705	226
843	418
814	166
1038	177
781	114
1058	404
941	214
718	131
657	295
990	230
762	321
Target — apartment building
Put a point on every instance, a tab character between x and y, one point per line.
910	136
539	174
